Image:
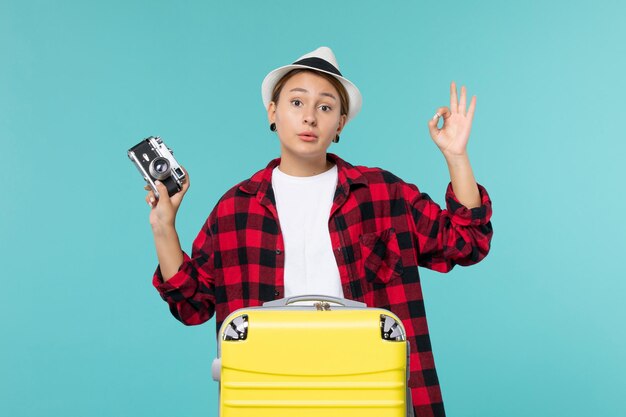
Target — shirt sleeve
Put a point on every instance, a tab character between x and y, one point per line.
456	235
190	293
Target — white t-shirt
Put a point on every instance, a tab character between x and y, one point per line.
303	205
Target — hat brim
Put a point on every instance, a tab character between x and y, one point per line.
270	80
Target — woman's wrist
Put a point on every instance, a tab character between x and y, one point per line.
164	230
463	181
455	160
458	161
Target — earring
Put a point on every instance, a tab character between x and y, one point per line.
336	140
273	127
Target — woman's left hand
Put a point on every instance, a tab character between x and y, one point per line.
453	136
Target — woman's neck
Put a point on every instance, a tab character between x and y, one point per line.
304	168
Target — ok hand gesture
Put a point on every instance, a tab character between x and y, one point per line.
453	136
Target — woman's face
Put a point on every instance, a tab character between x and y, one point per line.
307	116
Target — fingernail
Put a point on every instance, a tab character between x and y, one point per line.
151	200
157	182
150	204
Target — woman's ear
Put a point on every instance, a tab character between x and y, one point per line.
342	123
271	112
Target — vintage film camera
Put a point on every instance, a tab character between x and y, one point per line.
155	161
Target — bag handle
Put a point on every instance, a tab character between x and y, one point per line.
289	300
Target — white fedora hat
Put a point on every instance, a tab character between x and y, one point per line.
322	60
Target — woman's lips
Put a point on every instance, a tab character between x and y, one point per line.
307	136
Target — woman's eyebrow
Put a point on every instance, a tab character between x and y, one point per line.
302	90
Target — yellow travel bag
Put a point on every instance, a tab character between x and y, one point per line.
333	357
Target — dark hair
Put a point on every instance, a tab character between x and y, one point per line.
343	94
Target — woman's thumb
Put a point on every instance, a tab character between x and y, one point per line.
163	194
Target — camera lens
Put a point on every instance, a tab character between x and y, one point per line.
160	168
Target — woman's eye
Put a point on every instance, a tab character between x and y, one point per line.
296	102
325	108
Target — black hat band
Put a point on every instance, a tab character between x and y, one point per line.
320	64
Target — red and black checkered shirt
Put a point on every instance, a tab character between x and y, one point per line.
381	229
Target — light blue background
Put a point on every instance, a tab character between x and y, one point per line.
536	329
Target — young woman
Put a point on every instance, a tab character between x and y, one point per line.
311	223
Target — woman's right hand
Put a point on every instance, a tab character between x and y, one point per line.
163	212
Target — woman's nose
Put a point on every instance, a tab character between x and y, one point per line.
309	119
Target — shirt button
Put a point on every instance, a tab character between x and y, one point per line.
276	293
278	252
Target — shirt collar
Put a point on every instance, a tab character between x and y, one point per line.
347	176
